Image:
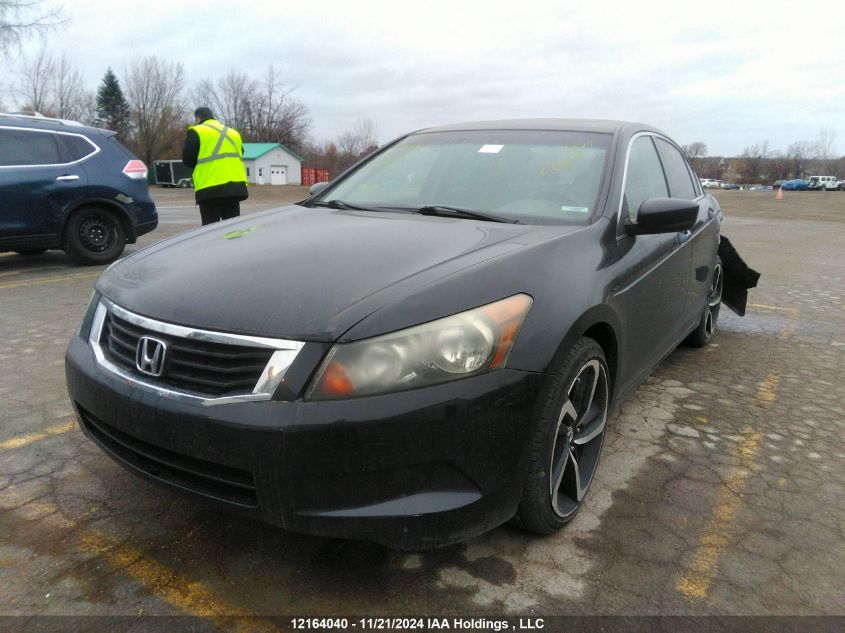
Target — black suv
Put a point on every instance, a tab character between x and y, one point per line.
67	186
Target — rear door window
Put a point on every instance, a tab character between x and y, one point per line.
23	148
677	173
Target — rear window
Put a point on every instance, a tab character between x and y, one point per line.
77	147
22	147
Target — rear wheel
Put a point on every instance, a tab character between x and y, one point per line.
94	236
30	251
703	334
568	439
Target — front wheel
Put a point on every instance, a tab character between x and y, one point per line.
568	439
94	236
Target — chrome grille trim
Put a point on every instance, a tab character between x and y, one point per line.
283	356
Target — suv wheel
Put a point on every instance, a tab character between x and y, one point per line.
94	236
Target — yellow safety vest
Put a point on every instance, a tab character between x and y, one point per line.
220	157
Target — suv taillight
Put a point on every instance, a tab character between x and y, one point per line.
136	170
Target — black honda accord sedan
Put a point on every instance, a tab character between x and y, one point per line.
425	348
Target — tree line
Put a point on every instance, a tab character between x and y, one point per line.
759	163
150	104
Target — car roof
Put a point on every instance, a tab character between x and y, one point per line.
46	123
563	125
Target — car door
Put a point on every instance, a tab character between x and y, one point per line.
703	238
651	292
38	180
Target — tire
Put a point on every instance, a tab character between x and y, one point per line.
94	236
30	251
567	440
706	329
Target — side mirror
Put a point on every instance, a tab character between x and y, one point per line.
317	187
664	215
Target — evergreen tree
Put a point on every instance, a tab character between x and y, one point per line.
112	107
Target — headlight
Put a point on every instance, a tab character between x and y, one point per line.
461	345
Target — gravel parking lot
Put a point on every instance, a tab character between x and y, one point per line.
720	490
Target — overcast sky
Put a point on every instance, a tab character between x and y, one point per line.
726	73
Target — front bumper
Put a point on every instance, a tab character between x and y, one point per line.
411	470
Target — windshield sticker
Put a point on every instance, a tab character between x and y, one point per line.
575	209
490	149
233	235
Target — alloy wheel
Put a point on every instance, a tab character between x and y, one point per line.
578	438
714	300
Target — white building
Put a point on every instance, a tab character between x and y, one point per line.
272	164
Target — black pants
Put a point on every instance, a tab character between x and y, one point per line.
216	209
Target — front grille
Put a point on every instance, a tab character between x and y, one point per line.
212	369
189	473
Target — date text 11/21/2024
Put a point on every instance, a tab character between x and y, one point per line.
416	624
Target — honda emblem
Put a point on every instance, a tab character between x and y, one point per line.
149	356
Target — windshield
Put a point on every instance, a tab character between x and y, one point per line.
537	177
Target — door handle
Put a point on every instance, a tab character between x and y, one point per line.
683	236
68	177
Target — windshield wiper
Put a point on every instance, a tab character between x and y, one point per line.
458	212
340	204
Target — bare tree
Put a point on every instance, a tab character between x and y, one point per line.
753	162
360	141
798	155
230	98
154	89
367	133
71	100
261	110
326	156
35	80
54	87
22	18
274	115
695	153
349	148
695	150
825	142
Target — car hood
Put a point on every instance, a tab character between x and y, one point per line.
299	273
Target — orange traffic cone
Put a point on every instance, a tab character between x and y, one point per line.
779	194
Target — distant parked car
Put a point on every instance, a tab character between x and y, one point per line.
730	185
67	186
710	183
823	183
797	184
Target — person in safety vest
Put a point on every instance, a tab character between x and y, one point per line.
215	152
